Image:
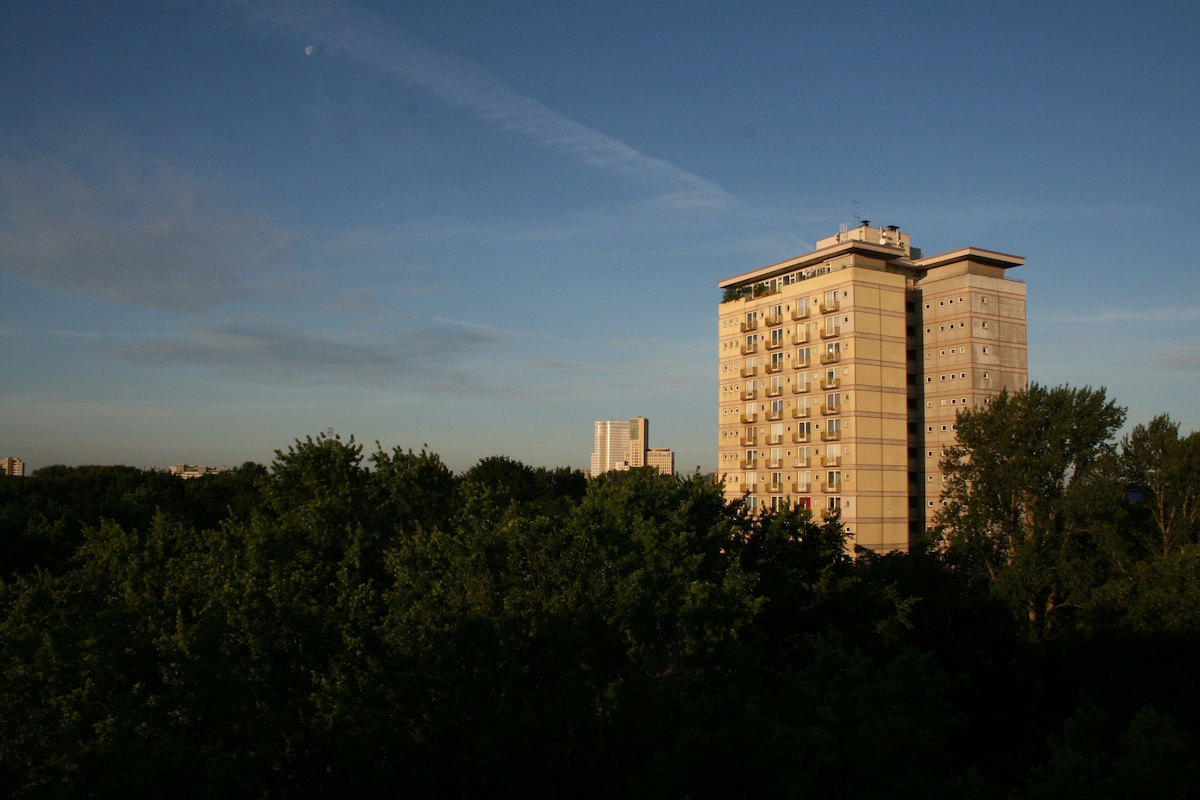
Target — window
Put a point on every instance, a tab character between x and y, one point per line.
985	323
929	379
985	351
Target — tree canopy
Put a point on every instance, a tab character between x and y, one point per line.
342	622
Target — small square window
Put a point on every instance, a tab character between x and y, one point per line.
985	323
943	427
943	401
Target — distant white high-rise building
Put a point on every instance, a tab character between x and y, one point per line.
625	444
12	466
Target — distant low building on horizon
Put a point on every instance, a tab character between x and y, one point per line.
12	466
621	445
189	471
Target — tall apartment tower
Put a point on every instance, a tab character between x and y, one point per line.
12	466
842	371
620	444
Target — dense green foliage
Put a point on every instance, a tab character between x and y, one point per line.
367	625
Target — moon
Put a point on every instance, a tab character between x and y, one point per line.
308	50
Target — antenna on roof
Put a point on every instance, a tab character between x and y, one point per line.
856	214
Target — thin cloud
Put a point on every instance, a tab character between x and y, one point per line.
104	223
1165	315
285	355
359	35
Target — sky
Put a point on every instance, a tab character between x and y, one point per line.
479	227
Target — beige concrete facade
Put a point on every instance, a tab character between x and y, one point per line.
841	372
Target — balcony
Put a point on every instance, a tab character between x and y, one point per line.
800	388
831	488
775	438
774	366
749	417
774	415
774	463
800	312
775	488
774	344
831	333
829	307
831	383
749	372
774	319
800	363
747	349
801	462
831	357
749	394
774	391
831	436
748	441
800	437
800	336
831	409
831	461
750	488
801	488
801	412
750	325
748	463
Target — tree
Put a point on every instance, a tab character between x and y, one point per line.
1164	470
1013	515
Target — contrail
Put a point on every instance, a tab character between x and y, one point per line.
361	36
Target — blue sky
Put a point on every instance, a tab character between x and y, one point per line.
482	226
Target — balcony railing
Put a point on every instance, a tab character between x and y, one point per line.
749	372
774	463
800	336
774	366
774	438
749	394
774	391
800	437
775	488
801	412
831	383
800	363
800	388
774	319
831	436
801	488
829	307
747	349
749	325
774	415
749	441
753	417
774	344
800	312
748	463
832	357
801	462
831	461
831	333
830	409
831	488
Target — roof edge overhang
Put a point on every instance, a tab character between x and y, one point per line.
884	252
991	258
